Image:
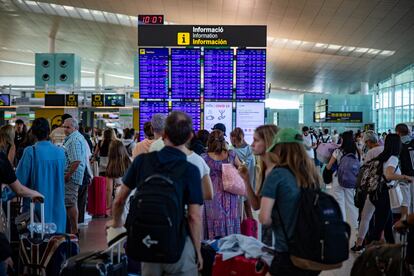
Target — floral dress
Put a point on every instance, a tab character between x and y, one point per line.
222	213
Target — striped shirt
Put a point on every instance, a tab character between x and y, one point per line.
75	150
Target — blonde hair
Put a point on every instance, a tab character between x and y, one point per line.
119	160
266	133
6	137
294	157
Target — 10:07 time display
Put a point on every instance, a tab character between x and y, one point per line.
150	19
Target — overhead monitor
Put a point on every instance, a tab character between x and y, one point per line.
185	73
4	100
251	74
193	109
218	112
153	73
146	110
97	100
71	100
218	74
249	116
115	100
54	100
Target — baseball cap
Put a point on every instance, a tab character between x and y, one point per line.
221	127
286	135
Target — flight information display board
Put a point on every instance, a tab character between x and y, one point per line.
4	100
153	73
185	73
193	109
218	74
146	110
251	74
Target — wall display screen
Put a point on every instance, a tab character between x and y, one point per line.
218	112
54	100
218	74
193	109
248	117
97	100
344	117
321	109
251	74
146	110
185	73
115	100
4	100
71	100
153	73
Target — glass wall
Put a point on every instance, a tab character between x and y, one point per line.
395	100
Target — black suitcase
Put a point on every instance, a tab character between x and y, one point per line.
98	263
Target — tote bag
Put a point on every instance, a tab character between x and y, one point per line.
396	196
232	181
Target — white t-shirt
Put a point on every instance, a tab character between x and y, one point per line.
157	145
308	141
392	162
372	153
199	162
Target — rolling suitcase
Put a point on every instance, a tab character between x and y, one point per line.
98	263
240	266
44	254
97	197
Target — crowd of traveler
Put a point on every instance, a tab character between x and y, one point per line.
58	167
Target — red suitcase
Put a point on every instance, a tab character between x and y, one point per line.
249	227
240	266
97	197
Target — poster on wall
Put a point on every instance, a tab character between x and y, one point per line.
218	112
248	117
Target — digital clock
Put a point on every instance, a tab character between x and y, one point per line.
150	19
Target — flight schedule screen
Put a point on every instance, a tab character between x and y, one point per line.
146	110
251	74
185	73
193	109
153	73
218	73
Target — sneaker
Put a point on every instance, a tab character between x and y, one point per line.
357	248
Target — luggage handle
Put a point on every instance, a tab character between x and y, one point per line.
42	214
118	245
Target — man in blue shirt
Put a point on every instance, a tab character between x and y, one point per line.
76	158
178	131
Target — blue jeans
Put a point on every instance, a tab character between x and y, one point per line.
3	269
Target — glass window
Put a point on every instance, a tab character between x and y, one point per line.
386	98
398	95
406	94
406	114
398	115
412	93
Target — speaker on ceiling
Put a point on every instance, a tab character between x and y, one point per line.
44	71
67	71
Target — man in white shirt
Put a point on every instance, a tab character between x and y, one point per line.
309	142
158	125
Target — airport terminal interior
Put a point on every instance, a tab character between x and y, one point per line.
207	137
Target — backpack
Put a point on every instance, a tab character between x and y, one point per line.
321	237
407	158
156	225
327	139
129	149
348	170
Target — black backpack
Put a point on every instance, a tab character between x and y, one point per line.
155	224
407	158
320	239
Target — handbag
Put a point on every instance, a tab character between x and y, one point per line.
232	181
396	197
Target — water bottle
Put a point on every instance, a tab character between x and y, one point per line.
50	228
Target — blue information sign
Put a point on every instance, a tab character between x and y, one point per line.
251	74
146	110
193	109
153	73
218	74
185	73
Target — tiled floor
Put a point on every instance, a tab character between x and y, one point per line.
93	238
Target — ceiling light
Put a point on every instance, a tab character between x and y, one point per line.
270	38
16	62
295	42
87	72
31	3
361	50
53	6
334	47
347	48
373	51
119	76
69	8
387	53
321	45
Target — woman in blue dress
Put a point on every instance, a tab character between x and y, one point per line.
42	168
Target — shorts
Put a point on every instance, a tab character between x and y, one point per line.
71	194
186	265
